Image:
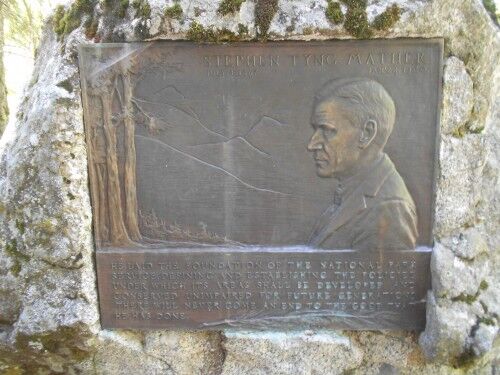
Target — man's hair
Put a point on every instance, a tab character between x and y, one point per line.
365	99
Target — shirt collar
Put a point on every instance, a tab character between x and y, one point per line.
348	185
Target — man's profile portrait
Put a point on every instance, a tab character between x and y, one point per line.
371	208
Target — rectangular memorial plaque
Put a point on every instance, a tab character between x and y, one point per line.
254	184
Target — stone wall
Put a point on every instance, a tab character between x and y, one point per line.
49	321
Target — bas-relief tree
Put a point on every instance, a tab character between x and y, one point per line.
110	113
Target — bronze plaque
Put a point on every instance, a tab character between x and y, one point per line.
253	184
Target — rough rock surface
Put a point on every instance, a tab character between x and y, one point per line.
454	276
122	353
286	353
458	96
187	352
49	320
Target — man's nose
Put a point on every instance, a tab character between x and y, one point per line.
315	142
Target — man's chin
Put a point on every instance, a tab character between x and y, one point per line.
324	171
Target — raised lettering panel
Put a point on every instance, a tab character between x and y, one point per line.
263	288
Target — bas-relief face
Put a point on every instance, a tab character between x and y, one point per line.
335	140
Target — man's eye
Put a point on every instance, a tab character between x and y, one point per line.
329	132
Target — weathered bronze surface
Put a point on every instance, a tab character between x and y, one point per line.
200	153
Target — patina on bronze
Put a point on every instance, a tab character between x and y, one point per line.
255	184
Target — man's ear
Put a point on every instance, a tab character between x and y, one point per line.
368	133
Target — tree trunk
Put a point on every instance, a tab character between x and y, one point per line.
117	231
101	207
97	170
130	188
4	108
95	186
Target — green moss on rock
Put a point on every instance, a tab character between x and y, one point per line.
466	129
223	35
356	20
356	23
11	247
387	18
484	285
467	298
45	230
333	13
57	23
490	6
459	132
16	268
70	344
45	226
143	11
84	6
355	3
492	9
242	30
67	20
476	130
487	321
198	33
264	14
12	251
307	30
465	360
175	11
142	8
229	6
91	28
117	7
122	9
20	226
67	102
